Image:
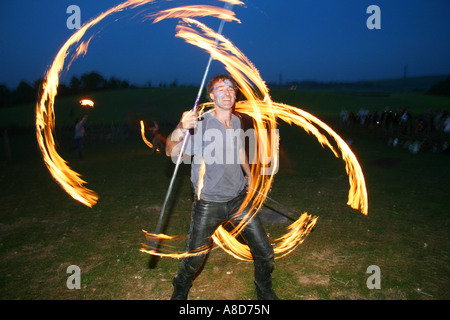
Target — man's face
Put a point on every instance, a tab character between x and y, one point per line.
223	94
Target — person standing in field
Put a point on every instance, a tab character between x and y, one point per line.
222	189
80	132
158	141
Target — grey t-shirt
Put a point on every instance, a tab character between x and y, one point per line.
218	147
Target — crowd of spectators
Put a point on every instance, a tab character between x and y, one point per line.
421	132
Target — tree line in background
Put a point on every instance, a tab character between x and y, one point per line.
87	82
93	81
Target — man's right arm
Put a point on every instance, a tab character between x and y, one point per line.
173	143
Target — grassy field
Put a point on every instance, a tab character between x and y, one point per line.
166	104
44	231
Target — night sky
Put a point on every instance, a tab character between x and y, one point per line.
321	40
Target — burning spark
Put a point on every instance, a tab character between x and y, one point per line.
87	103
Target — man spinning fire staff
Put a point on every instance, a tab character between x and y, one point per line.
220	188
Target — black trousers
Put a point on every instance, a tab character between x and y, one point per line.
205	218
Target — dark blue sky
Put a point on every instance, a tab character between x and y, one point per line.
323	40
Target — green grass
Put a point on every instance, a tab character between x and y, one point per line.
328	103
43	230
110	107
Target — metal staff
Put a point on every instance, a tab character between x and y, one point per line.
154	243
281	205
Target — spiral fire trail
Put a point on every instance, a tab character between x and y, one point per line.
264	112
257	104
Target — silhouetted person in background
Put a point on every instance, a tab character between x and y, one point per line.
80	132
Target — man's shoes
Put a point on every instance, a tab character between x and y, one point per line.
265	293
180	291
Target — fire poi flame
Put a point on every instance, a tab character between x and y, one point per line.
148	143
87	103
258	105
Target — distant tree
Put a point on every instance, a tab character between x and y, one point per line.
64	90
174	84
113	83
124	84
5	96
75	84
92	81
24	93
441	88
37	84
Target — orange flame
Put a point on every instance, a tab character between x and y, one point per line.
87	103
45	115
70	180
264	111
148	143
298	231
258	105
196	11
